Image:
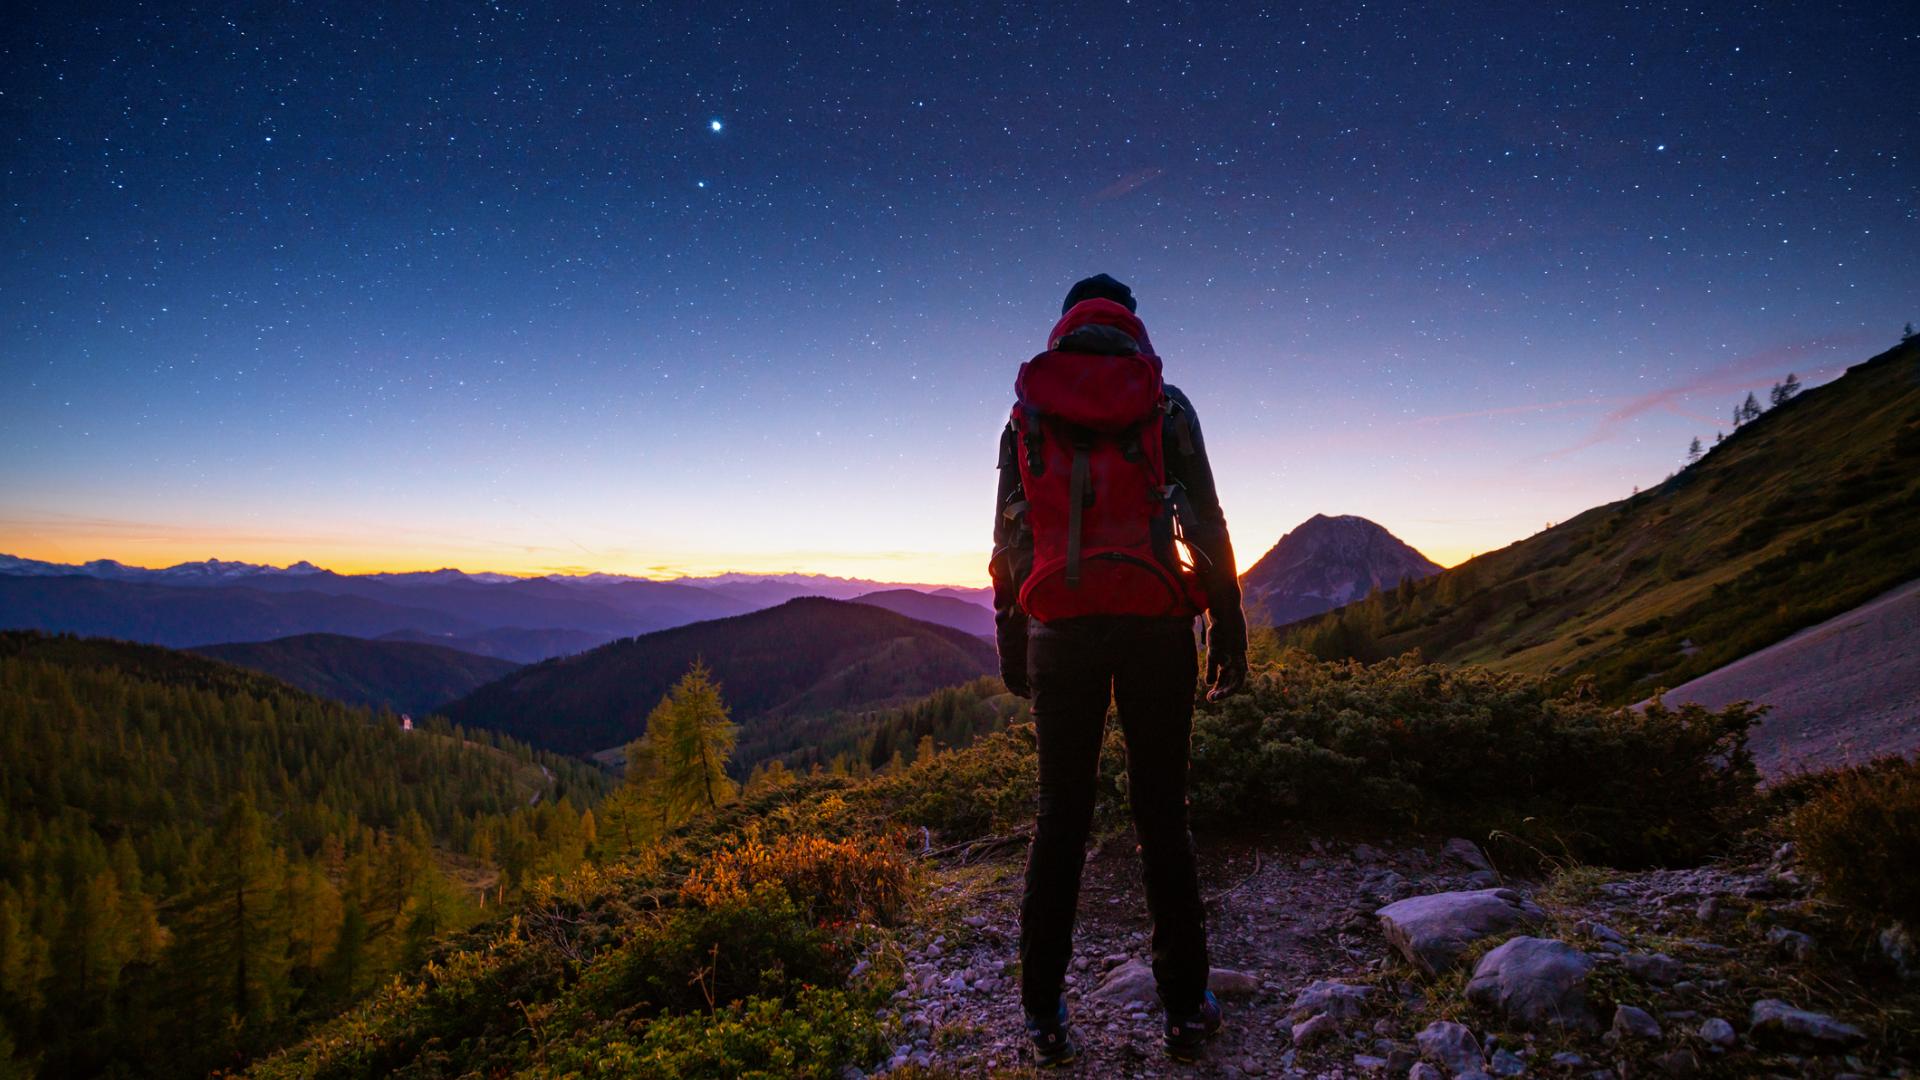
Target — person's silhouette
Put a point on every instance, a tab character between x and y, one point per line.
1104	481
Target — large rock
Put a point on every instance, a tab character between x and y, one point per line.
1790	944
1658	968
1432	931
1130	982
1535	983
1779	1024
1630	1022
1466	852
1315	1030
1450	1044
1335	999
1227	982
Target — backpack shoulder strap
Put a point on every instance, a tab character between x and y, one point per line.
1179	425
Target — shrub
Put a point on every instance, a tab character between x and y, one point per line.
817	1036
1404	742
754	945
859	878
986	787
1860	831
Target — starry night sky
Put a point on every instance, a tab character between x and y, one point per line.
687	287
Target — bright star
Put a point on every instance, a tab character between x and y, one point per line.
714	125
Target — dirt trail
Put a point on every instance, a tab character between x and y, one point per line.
1283	918
1287	914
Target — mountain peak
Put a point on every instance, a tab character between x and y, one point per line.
1327	561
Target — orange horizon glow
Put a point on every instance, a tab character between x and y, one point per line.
932	569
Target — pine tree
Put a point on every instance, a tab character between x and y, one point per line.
1694	450
1783	392
348	960
693	737
1750	408
313	918
770	775
437	906
234	947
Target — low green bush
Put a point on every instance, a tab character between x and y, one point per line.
815	1036
757	945
983	788
1438	747
1859	830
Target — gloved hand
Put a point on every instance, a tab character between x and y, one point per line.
1226	656
1010	639
1226	674
1016	683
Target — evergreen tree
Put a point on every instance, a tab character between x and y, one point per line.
1783	392
693	739
347	962
437	906
771	776
234	948
1694	450
1750	408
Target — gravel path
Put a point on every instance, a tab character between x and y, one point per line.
1281	918
1842	692
1687	946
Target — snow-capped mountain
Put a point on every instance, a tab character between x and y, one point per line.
212	571
1326	562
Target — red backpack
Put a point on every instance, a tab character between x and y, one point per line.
1088	426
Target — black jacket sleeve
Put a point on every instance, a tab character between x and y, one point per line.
1207	533
1012	554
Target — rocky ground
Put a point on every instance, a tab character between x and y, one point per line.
1350	960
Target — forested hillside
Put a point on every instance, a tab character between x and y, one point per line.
807	657
405	676
1806	510
194	858
840	742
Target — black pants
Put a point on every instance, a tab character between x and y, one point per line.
1149	667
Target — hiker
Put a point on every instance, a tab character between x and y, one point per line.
1108	541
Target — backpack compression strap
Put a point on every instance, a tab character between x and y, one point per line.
1076	499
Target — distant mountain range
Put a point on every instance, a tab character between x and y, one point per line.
807	656
514	618
1326	562
934	608
507	643
404	676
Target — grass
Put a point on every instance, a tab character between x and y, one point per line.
1798	516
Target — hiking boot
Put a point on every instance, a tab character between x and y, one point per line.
1052	1039
1187	1034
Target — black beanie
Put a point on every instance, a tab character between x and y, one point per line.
1101	287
